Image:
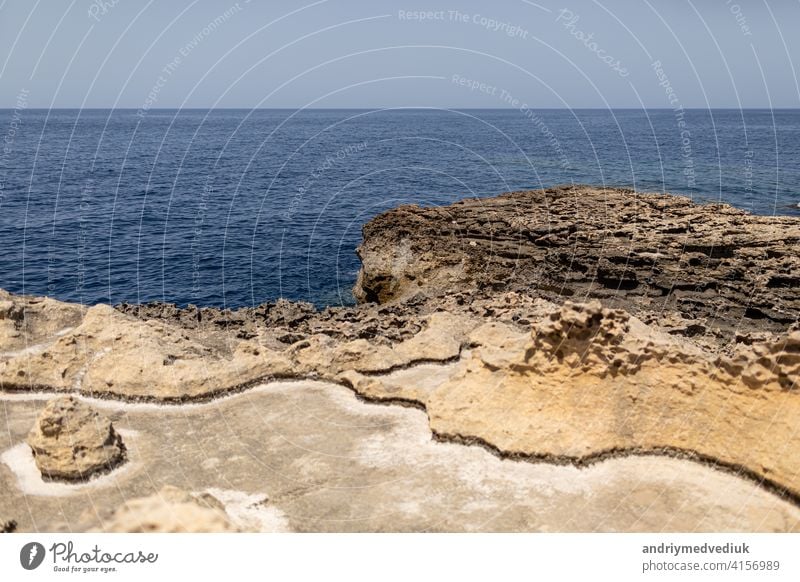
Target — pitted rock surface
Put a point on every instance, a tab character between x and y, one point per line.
712	267
70	441
567	326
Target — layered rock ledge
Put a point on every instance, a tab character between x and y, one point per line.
567	326
698	268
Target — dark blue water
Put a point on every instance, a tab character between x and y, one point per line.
236	208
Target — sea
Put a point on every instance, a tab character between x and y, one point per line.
234	208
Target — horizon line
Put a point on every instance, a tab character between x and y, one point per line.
409	107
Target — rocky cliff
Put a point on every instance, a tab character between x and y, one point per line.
706	269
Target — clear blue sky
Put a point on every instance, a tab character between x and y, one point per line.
378	53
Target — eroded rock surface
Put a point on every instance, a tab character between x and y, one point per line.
70	441
587	382
565	326
29	324
310	456
710	268
170	510
113	354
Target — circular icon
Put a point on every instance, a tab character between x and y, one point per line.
31	555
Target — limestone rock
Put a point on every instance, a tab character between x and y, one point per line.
679	334
29	324
588	382
649	254
111	353
171	510
769	362
607	384
114	354
600	341
439	340
588	334
71	441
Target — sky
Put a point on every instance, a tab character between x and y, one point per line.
143	54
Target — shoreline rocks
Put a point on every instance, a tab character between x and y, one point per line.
72	442
565	325
711	268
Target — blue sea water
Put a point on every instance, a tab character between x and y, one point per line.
234	207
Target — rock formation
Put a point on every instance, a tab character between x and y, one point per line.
171	510
27	322
710	268
567	325
112	354
588	382
71	441
592	382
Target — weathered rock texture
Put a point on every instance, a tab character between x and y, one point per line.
588	382
710	267
171	510
679	337
112	354
27	322
71	441
310	456
620	386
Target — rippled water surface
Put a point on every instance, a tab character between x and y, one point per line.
236	207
